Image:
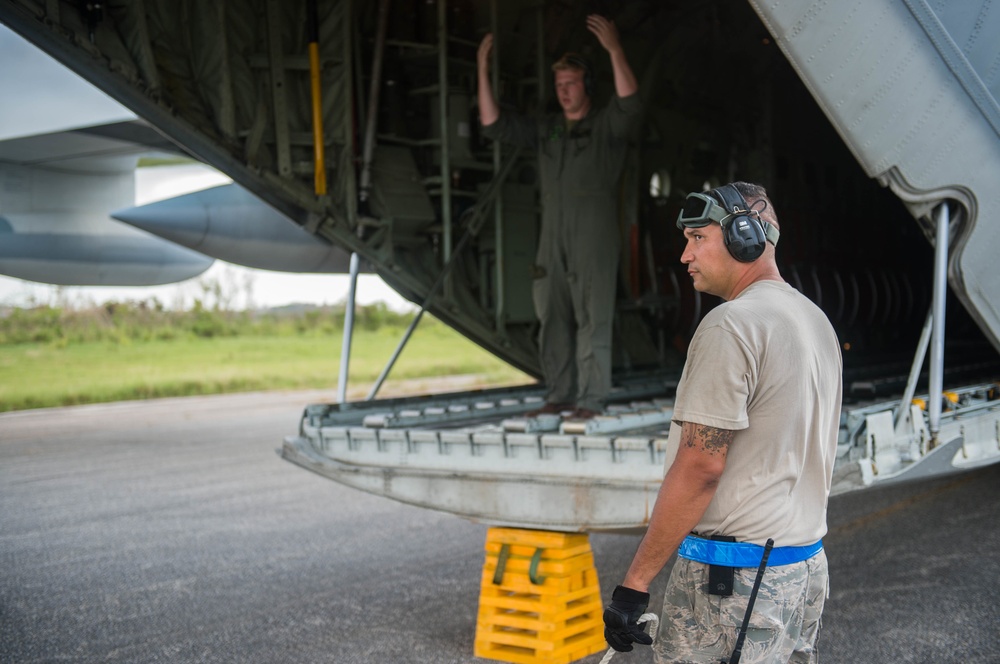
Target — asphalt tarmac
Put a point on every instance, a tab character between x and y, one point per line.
170	531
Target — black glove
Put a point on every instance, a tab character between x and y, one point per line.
621	628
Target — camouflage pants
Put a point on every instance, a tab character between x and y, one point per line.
696	627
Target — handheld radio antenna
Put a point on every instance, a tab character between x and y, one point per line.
738	650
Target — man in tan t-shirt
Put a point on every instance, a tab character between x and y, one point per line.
749	457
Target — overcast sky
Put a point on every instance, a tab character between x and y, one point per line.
35	93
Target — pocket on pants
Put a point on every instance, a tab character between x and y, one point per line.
725	616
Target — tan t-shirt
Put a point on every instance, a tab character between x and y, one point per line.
766	364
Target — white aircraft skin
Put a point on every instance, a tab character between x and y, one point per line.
57	186
231	224
57	190
68	156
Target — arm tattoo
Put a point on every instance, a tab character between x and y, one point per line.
710	439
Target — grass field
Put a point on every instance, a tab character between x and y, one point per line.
58	372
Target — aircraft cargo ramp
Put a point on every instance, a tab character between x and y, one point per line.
478	456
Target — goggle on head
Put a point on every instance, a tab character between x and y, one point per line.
700	210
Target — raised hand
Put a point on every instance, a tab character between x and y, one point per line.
605	31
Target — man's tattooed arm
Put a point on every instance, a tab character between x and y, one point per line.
712	440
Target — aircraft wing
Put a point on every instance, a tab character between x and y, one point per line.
68	192
58	189
114	147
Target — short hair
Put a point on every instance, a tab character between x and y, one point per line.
754	194
571	62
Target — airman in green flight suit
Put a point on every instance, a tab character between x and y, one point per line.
581	153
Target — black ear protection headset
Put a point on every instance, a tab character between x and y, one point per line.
744	233
580	62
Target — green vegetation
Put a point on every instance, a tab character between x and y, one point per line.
52	356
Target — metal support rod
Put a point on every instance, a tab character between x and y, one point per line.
499	305
543	76
443	104
279	95
915	368
363	192
936	389
226	112
345	344
358	80
476	217
372	110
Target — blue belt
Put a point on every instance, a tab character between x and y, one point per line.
743	554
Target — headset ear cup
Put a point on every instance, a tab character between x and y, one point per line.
743	234
744	237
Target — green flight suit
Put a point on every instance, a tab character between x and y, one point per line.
578	249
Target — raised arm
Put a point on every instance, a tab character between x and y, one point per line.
489	111
626	84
